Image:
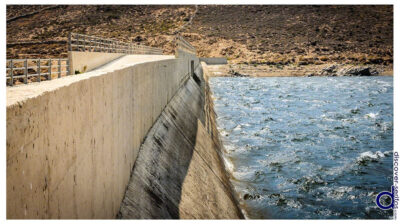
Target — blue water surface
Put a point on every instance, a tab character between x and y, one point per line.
307	148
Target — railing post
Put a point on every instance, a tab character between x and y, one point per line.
78	43
26	71
107	45
11	73
68	68
84	43
49	71
95	44
59	68
38	71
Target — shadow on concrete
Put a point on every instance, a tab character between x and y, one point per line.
179	171
154	190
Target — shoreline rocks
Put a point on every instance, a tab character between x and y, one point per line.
337	70
234	73
294	70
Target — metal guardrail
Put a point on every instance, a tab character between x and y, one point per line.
32	70
81	42
185	45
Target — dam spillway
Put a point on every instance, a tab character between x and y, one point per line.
179	172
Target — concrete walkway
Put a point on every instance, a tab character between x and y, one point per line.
130	60
21	93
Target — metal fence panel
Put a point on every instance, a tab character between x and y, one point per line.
31	70
81	42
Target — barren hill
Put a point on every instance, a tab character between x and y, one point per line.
259	34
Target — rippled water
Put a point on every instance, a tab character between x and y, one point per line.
318	147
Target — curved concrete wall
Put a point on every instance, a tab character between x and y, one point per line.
73	142
179	172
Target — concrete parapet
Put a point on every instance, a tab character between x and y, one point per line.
72	142
83	61
214	61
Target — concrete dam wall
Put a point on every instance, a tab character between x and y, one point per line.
134	138
179	172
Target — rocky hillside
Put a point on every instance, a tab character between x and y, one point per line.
270	35
148	25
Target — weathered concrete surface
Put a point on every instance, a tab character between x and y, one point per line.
72	142
81	62
21	93
215	61
179	172
210	115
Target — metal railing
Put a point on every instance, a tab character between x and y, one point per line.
32	70
81	42
185	45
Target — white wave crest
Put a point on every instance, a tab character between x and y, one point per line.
372	156
371	115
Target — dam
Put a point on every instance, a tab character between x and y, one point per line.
208	111
133	134
125	135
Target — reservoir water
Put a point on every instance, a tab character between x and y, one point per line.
307	148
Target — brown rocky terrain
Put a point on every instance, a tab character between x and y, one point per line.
270	36
303	34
